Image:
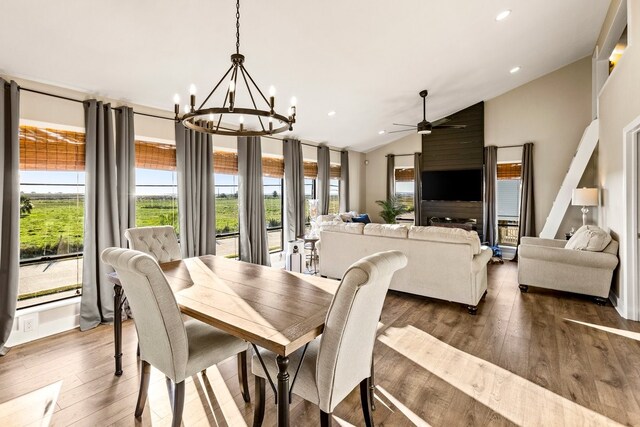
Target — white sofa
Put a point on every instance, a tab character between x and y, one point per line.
444	263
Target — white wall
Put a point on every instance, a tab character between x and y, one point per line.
552	112
376	170
619	104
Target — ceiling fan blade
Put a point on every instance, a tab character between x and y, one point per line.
400	124
450	127
441	121
403	130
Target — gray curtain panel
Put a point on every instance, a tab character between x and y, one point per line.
324	175
391	176
196	192
254	246
294	189
126	170
344	181
101	228
527	204
417	188
490	227
10	210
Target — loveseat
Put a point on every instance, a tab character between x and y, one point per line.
447	264
583	268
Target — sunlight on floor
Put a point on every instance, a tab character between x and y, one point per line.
34	408
214	384
515	398
415	419
621	332
341	422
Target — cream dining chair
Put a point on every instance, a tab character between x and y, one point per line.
178	348
340	358
161	242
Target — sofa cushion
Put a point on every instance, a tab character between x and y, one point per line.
328	219
448	235
386	230
345	216
589	238
364	218
345	227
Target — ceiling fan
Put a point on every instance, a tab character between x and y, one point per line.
425	126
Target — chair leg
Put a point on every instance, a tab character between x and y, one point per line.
258	410
372	388
243	377
325	419
178	404
145	374
365	395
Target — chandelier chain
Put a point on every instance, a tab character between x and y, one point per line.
238	26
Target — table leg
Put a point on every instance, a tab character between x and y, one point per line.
283	391
117	327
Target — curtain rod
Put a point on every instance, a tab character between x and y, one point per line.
138	113
512	146
66	98
401	155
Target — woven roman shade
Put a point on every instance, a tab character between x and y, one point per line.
152	155
335	172
310	169
273	167
404	175
225	162
509	170
44	149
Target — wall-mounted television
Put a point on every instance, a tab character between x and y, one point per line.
452	185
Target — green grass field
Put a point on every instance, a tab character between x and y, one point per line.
55	224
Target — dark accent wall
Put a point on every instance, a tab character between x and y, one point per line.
455	149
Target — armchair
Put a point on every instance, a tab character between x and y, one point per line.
546	263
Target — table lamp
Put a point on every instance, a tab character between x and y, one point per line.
584	197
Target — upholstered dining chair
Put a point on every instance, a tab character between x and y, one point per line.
338	360
161	242
178	348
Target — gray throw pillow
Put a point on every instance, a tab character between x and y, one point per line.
589	238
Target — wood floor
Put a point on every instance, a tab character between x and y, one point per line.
523	360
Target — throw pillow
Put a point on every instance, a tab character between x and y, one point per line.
364	218
589	238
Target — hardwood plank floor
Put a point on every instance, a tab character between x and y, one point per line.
538	358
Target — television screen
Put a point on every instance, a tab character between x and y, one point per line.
458	185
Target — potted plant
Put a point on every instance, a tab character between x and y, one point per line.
391	208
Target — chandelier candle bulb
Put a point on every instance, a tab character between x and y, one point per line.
270	124
187	109
241	120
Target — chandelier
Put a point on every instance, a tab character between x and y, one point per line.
265	121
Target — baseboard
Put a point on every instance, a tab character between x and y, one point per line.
33	323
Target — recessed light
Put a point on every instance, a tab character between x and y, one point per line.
331	113
381	132
503	15
514	70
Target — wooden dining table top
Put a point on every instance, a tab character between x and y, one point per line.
275	309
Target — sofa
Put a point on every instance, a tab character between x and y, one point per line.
447	264
550	264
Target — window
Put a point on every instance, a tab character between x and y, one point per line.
227	221
508	203
404	188
273	210
156	185
334	196
51	214
309	193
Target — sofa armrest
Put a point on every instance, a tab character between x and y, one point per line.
480	260
568	256
537	241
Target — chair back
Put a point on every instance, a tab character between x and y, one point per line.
159	242
346	345
161	331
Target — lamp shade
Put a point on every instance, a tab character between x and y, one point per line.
584	197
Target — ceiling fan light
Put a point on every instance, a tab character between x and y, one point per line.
424	127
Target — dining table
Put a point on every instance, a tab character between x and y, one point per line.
272	308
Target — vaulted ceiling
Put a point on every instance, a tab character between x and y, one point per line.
364	59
